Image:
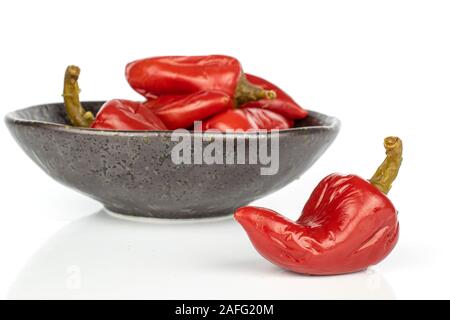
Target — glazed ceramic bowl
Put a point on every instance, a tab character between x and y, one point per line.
134	173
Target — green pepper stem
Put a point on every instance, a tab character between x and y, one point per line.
246	92
77	115
388	170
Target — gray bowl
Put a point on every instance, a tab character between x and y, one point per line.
132	172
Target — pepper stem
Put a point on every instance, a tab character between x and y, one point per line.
246	92
77	115
387	172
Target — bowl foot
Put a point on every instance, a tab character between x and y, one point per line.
152	219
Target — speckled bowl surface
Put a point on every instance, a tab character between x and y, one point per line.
132	172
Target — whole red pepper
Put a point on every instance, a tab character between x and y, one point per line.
282	104
347	224
247	119
181	111
126	115
181	75
113	115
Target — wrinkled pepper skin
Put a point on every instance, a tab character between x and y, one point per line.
126	115
247	119
181	111
180	75
282	104
347	225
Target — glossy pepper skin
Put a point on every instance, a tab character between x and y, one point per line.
283	104
126	115
183	75
181	111
247	119
347	225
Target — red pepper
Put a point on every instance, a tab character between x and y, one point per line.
126	115
181	75
282	104
247	119
181	111
347	224
113	115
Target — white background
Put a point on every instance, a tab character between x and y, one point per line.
382	67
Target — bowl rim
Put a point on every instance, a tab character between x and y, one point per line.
332	123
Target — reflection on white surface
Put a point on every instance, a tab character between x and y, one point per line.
100	257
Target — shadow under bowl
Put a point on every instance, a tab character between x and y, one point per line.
134	172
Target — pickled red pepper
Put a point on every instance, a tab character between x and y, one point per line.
347	225
283	104
113	115
182	111
183	75
247	119
120	114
